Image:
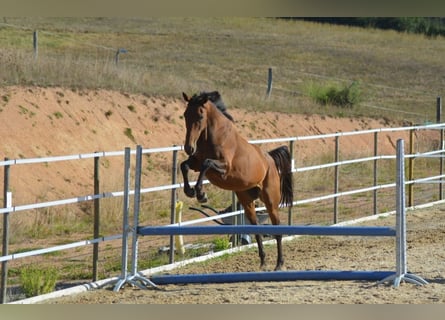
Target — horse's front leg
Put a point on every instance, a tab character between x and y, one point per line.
207	164
185	167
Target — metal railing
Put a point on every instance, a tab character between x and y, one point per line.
8	208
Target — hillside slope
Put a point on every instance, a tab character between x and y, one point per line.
42	122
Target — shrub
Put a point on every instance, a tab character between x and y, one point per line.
58	115
129	134
346	96
37	281
220	244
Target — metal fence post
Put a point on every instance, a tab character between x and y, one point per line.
5	242
336	176
401	260
136	209
173	203
291	151
411	169
376	139
125	226
441	132
400	208
96	218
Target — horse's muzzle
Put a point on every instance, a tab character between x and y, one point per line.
189	150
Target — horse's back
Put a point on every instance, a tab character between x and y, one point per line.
247	167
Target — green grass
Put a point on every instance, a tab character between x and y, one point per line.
346	96
221	243
37	281
166	56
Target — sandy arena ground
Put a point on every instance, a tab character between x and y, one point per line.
426	258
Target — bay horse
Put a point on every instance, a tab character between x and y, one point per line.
218	152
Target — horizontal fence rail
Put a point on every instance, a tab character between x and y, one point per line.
58	248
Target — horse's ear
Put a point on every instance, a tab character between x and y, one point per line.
185	96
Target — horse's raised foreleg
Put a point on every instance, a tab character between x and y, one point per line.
207	164
185	167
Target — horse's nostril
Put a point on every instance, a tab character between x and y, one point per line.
189	150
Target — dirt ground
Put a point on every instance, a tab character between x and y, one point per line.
426	258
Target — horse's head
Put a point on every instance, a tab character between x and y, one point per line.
200	108
195	116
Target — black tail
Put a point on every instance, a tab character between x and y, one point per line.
282	159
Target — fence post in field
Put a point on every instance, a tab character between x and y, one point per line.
173	203
119	51
96	218
336	174
116	57
441	132
35	44
269	83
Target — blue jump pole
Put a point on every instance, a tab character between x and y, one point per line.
271	276
268	229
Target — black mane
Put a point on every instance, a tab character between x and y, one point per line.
216	99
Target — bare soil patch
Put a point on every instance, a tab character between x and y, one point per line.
54	121
426	258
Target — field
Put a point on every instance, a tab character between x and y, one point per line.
399	74
74	98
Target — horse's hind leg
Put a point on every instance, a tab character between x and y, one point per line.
248	204
275	218
280	260
271	200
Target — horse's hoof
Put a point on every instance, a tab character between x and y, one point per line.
202	198
190	193
280	267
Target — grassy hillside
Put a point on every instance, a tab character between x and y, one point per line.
400	75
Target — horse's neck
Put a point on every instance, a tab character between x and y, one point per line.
219	127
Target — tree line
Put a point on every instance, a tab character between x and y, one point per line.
429	26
